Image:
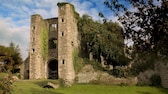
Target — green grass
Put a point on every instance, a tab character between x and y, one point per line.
35	87
2	75
32	87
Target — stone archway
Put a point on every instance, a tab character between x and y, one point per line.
53	69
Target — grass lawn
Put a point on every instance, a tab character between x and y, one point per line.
35	87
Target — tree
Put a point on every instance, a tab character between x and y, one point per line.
146	26
102	40
11	57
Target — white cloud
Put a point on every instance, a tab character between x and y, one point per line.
15	20
10	33
53	11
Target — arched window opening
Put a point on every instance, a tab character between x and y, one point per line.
53	69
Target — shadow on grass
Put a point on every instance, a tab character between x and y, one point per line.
164	91
143	92
45	91
42	83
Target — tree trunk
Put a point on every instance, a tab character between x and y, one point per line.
102	61
91	56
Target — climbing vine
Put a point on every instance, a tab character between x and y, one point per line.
77	61
44	41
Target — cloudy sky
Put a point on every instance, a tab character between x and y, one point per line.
15	17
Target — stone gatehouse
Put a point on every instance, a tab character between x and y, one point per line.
59	35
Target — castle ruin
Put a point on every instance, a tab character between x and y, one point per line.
52	43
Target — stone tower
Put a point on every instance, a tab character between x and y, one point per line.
67	41
52	43
36	66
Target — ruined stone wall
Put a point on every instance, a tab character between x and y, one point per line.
52	28
24	69
67	41
36	65
162	69
62	41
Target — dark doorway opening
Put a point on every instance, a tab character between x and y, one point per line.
53	69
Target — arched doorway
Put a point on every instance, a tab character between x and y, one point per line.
53	69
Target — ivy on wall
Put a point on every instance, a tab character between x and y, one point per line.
44	42
77	61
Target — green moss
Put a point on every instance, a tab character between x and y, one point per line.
62	4
77	61
44	41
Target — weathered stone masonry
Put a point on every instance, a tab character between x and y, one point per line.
62	41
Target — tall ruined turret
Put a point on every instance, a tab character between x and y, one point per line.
67	41
37	62
52	43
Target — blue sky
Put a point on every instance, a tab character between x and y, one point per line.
15	17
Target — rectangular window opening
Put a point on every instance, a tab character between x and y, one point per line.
63	61
62	33
62	20
54	26
72	43
33	27
33	50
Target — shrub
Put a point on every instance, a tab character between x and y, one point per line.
155	80
6	85
96	65
117	72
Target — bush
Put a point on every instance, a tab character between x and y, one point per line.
6	85
117	72
155	80
96	65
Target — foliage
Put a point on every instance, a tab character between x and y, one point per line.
142	62
117	72
11	57
102	39
95	64
44	42
5	84
77	61
146	25
155	80
62	4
